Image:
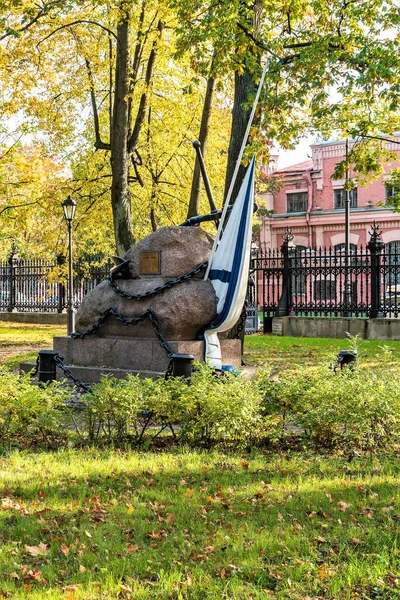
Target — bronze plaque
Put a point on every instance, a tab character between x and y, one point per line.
150	263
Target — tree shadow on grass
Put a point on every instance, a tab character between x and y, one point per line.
219	524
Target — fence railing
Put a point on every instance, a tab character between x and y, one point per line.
38	284
290	281
326	282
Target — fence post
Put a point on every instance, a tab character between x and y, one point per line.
375	246
61	287
11	269
285	300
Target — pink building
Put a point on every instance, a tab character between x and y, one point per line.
311	203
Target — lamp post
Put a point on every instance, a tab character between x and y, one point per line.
347	279
69	207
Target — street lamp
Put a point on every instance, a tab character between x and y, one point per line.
69	207
347	279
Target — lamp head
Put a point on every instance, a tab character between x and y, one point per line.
69	207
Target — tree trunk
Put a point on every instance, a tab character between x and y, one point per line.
193	209
244	87
120	194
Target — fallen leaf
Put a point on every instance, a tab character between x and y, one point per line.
65	549
148	582
343	505
39	550
156	535
88	534
9	503
126	588
132	548
70	592
267	486
82	569
30	574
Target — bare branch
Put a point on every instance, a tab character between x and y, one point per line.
99	144
42	11
380	138
141	113
137	174
79	21
255	40
17	206
11	147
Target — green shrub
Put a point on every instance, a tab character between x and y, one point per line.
351	410
222	410
31	412
113	409
207	411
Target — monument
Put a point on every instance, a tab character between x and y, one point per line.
154	302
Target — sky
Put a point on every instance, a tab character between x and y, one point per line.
299	154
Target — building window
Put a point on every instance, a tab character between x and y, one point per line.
325	289
391	191
391	261
342	248
340	197
297	202
298	272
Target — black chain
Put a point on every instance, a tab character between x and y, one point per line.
68	373
154	321
158	290
150	314
34	372
169	370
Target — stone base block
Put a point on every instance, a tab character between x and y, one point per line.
135	354
94	374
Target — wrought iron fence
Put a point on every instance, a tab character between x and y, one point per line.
39	284
325	282
290	281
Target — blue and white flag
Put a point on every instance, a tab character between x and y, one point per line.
229	269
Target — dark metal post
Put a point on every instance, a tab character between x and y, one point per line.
197	147
47	365
346	358
61	286
375	246
71	308
12	261
285	300
347	280
182	365
69	207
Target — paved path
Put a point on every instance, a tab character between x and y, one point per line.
9	351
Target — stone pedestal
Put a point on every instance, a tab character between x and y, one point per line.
89	358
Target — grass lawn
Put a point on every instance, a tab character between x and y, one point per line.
107	525
282	352
21	341
184	525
